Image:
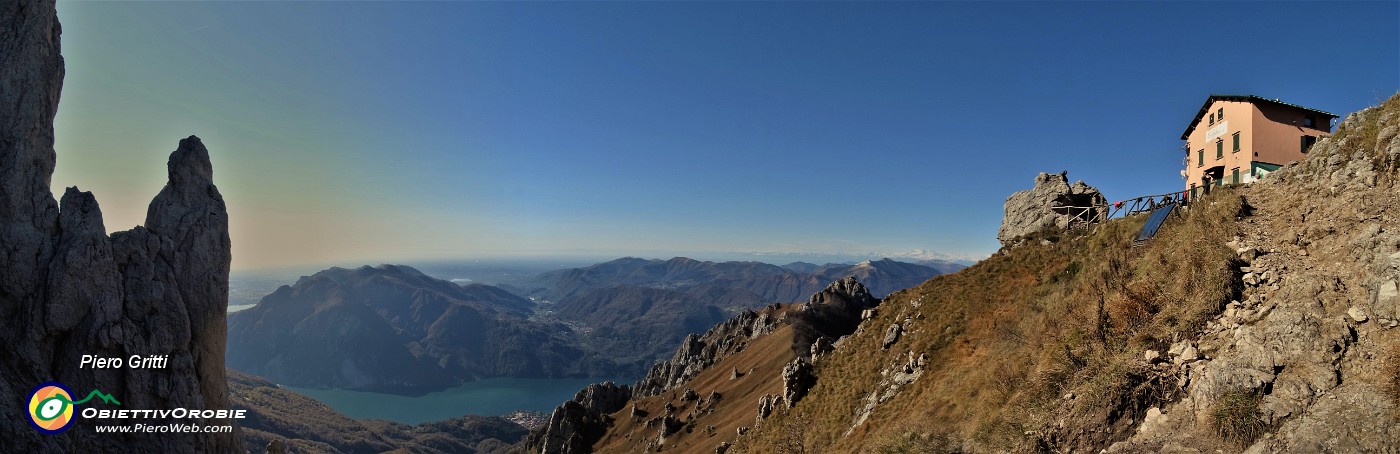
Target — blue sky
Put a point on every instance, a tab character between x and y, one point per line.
378	131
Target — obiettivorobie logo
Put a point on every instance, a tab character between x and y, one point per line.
52	411
51	406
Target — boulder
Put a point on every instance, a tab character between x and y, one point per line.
891	336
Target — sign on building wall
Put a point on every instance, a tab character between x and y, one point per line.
1219	130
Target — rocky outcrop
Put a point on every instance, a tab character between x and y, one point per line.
574	426
766	404
797	379
1032	210
156	290
700	351
831	313
894	376
161	289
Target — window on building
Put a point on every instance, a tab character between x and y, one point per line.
1309	121
1220	113
1219	148
1236	141
1235	175
1306	142
1200	158
1212	119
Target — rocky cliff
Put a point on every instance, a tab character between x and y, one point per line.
68	289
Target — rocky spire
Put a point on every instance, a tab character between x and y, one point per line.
31	76
67	289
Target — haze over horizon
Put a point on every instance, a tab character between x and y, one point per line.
374	132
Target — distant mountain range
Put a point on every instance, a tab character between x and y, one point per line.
788	283
639	310
392	328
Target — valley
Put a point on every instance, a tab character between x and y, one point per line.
395	329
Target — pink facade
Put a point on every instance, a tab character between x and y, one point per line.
1238	139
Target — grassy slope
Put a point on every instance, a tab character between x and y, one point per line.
1007	338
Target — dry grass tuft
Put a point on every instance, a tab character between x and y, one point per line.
1391	372
1237	419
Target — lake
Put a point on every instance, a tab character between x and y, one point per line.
489	397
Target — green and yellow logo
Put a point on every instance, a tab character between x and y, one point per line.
51	406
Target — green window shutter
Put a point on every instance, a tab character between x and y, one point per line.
1237	141
1219	149
1200	158
1235	178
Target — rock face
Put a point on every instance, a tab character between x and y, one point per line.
578	423
1031	210
71	290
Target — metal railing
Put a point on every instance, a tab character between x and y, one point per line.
1084	216
1147	203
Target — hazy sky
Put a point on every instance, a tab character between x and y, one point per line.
379	131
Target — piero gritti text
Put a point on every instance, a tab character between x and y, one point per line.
132	362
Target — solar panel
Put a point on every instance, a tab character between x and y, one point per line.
1154	222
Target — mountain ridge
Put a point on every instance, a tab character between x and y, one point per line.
392	328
